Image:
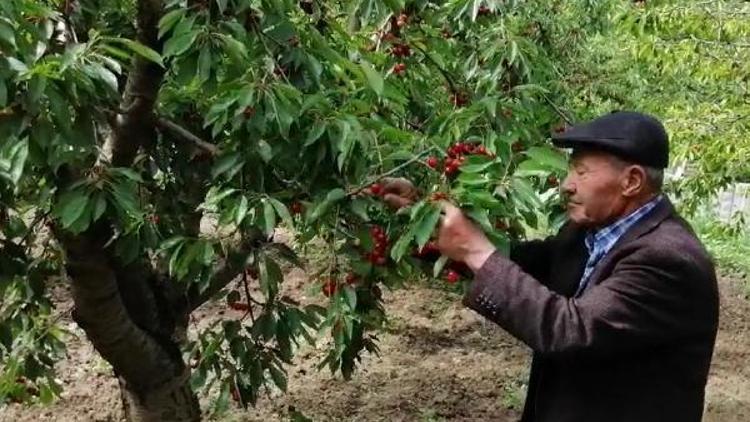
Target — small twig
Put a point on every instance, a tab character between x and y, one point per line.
557	109
446	75
186	135
392	171
248	296
36	221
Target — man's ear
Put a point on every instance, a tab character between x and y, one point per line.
634	180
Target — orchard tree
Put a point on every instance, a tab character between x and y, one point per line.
128	126
686	61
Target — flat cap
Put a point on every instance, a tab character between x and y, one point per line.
635	137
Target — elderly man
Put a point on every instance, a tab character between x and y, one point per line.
621	306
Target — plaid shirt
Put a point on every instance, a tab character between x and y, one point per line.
600	242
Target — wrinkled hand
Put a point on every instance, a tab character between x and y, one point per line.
461	240
398	192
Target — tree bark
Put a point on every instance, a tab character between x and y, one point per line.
153	377
134	318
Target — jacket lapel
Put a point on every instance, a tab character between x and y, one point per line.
662	211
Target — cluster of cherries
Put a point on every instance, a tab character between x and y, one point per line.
376	257
380	240
456	156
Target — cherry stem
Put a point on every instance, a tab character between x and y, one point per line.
392	171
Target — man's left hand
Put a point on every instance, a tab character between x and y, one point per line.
461	240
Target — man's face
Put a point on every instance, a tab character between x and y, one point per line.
593	188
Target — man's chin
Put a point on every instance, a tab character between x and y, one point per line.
577	217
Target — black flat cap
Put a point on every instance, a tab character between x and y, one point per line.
635	137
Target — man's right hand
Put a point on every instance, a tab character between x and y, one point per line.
398	192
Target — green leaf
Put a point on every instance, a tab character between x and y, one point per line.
236	50
225	163
17	65
548	157
3	93
179	44
127	173
7	34
317	130
374	79
71	207
525	194
18	154
277	376
350	294
140	49
169	20
331	198
426	226
270	277
269	217
100	207
241	210
104	75
437	269
282	211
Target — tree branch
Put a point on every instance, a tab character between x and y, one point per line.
183	134
227	270
135	127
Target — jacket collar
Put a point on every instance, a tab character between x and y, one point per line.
663	210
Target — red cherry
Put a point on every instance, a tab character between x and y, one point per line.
329	287
452	276
381	260
483	11
376	189
402	20
376	231
428	249
481	150
351	278
451	170
399	68
297	208
239	306
432	162
439	196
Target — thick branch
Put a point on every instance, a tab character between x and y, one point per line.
99	310
225	271
135	128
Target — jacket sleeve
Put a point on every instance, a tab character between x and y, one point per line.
651	297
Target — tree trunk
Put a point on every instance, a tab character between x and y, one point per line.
124	317
174	401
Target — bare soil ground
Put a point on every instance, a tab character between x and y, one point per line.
438	361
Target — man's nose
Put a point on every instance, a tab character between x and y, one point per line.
568	185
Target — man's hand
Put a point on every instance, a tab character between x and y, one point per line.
398	192
461	240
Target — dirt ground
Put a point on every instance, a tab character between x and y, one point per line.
438	361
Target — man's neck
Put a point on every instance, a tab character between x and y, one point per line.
628	209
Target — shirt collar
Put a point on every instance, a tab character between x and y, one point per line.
607	236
